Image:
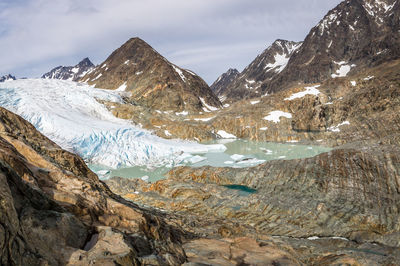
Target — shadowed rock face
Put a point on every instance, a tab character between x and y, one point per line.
151	80
73	73
266	66
55	211
7	77
224	81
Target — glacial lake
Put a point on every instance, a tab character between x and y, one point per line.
239	154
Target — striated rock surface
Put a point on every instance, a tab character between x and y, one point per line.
338	206
55	211
152	81
73	73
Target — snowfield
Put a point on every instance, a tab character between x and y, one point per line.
69	114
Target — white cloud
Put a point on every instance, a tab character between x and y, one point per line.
207	36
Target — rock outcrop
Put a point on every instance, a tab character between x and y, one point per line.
55	211
7	77
224	81
265	67
73	73
152	81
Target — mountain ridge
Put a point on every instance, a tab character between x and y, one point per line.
152	80
353	35
7	77
73	73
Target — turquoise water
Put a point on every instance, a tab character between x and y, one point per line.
239	153
242	190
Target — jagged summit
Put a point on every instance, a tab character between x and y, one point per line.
224	80
268	64
70	72
354	35
152	80
7	77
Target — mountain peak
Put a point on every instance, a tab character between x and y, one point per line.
70	72
268	64
85	62
224	80
151	79
7	77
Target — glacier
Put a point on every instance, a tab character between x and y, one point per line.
71	115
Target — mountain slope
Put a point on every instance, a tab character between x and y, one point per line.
224	81
152	80
354	35
7	77
73	73
267	65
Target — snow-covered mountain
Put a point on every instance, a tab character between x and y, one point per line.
355	35
70	72
267	65
224	80
7	77
69	114
152	80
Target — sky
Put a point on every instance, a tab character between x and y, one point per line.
205	36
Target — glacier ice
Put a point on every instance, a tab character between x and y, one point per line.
70	114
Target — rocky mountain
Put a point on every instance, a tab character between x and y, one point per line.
7	77
354	35
224	80
70	72
152	80
267	65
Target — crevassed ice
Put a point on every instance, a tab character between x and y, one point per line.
69	114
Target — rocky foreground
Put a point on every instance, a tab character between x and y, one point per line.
338	207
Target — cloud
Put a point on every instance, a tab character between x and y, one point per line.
207	36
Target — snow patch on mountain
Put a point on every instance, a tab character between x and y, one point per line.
309	91
281	59
275	116
122	87
209	107
344	69
180	73
225	135
337	127
70	114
